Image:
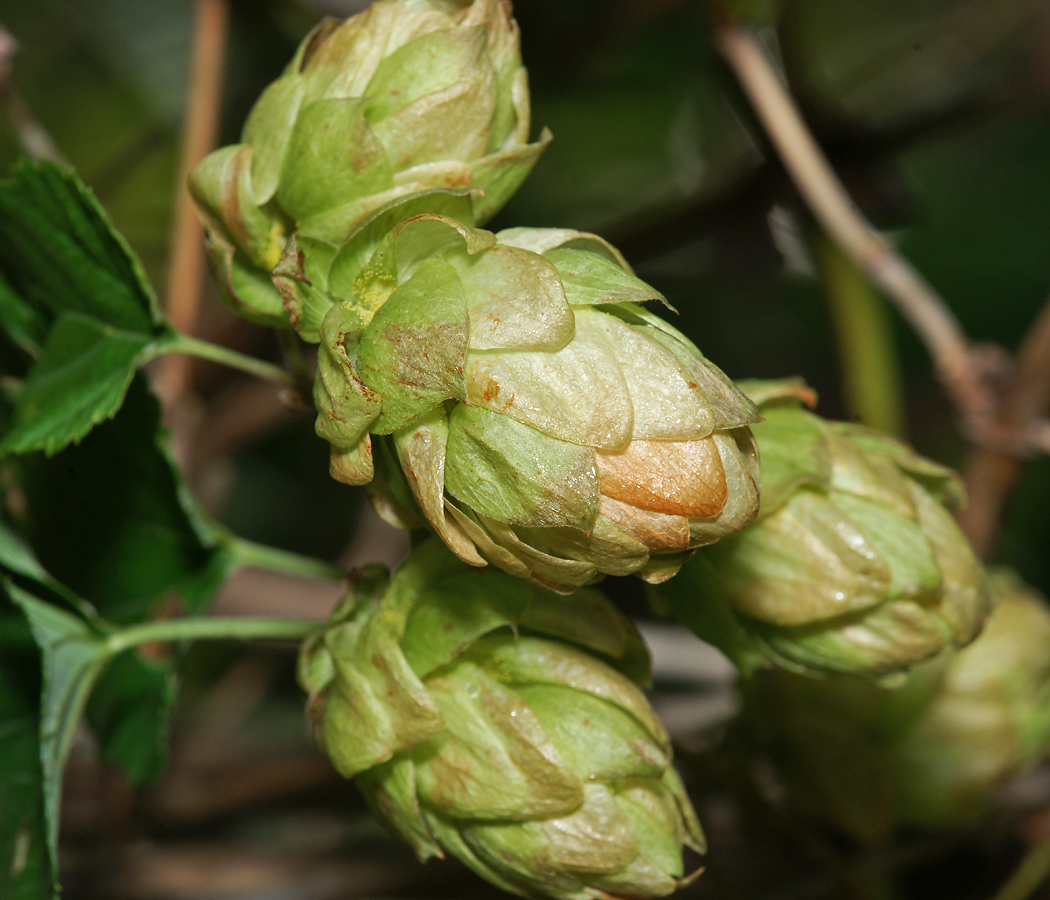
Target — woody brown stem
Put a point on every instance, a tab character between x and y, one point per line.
824	194
186	264
993	471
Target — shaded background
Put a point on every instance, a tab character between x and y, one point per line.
934	113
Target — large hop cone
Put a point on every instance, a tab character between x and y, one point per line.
854	564
929	753
488	718
528	411
407	97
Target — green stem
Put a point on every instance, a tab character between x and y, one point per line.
235	628
248	553
870	368
183	343
1032	872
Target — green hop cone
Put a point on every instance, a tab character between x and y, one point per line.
931	753
524	406
409	96
485	717
989	717
854	564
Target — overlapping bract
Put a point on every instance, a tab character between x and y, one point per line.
930	753
530	412
488	718
407	97
854	564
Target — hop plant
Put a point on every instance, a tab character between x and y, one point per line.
932	752
854	564
487	718
407	97
525	407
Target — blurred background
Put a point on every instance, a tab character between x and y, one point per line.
935	115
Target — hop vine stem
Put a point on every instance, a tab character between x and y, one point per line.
1005	424
190	346
215	628
203	111
273	559
991	473
832	206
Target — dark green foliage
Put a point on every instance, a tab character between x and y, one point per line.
74	298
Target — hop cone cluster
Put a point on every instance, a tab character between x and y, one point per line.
529	411
487	718
929	753
854	565
407	97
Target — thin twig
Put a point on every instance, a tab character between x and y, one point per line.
203	109
33	138
833	208
992	472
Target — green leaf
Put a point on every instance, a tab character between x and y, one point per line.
61	253
73	657
18	558
111	519
23	324
129	710
887	639
25	872
64	267
80	381
595	735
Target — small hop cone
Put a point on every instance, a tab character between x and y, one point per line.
931	752
988	718
408	97
509	392
485	717
854	564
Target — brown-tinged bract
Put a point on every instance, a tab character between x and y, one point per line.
855	565
510	392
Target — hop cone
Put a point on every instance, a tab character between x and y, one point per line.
929	753
407	97
528	411
487	718
854	564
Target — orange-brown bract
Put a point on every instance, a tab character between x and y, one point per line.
510	392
